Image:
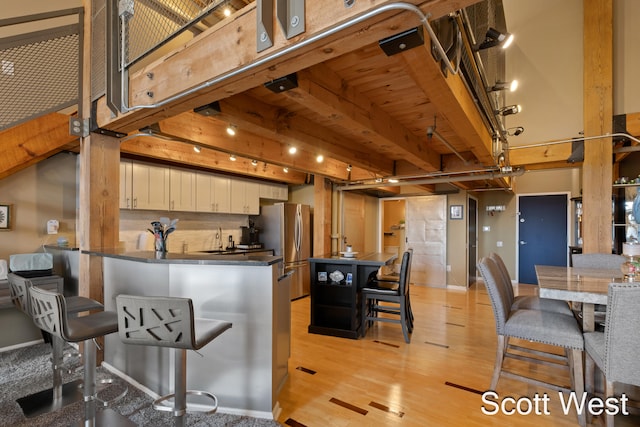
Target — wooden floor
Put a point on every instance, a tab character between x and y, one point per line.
436	380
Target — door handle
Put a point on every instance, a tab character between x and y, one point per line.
522	242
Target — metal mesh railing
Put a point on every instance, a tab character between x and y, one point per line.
154	22
38	73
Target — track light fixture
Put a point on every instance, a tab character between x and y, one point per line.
254	162
232	130
232	157
285	170
511	86
507	111
495	38
515	131
348	168
197	148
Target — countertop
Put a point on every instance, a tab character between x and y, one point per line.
201	258
370	258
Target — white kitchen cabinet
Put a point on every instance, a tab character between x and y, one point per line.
125	185
212	193
150	187
274	192
182	190
245	197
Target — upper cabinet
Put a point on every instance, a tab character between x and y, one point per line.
125	185
274	192
182	190
146	186
212	193
245	197
150	187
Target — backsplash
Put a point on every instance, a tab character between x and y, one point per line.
194	231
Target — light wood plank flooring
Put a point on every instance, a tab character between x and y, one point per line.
436	380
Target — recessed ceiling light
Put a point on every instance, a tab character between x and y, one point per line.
285	170
196	148
320	158
227	11
232	157
231	130
292	150
254	162
348	168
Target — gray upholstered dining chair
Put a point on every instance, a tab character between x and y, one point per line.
532	302
550	328
615	351
597	260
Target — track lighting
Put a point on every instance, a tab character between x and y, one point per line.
511	86
511	109
348	168
254	162
285	170
393	180
515	131
197	148
232	157
231	130
495	38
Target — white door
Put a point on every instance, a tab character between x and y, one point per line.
426	233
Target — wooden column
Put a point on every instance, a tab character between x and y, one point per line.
321	216
98	212
597	169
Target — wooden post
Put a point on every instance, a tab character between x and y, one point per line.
321	216
597	169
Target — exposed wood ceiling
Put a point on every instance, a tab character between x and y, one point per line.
353	104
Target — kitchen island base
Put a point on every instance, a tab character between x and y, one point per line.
246	366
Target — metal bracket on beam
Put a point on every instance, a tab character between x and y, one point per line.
265	25
291	17
79	127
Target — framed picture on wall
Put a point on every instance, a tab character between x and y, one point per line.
455	212
5	217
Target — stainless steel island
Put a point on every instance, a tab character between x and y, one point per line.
246	366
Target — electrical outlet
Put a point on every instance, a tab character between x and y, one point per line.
499	243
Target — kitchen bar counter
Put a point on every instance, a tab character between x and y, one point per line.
246	366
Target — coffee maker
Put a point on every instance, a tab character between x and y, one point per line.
250	238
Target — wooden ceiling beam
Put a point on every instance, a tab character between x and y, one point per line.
275	123
216	55
183	155
325	92
211	133
26	144
455	103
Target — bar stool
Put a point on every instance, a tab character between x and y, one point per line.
49	313
60	394
169	322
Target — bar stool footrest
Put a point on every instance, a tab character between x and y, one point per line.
159	405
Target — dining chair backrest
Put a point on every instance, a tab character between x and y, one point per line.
405	273
497	293
597	260
18	286
504	274
622	334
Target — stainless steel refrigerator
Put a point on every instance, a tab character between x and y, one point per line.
286	228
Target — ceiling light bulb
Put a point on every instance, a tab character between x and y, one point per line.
378	180
285	170
227	11
320	158
254	162
196	148
232	157
393	180
348	168
292	150
231	130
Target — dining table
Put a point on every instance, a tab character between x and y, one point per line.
588	286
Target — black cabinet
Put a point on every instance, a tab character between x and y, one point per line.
336	306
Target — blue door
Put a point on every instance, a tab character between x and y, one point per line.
542	234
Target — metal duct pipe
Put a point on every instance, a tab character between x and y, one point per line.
441	180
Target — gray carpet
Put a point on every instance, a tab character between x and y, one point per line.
28	370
